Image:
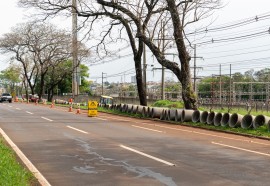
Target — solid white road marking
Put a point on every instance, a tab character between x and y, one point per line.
213	135
147	155
46	119
29	112
146	128
18	109
238	148
117	119
77	130
26	161
101	119
9	106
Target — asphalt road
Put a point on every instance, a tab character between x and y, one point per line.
71	149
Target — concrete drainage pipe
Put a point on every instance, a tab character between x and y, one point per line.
163	115
186	115
196	116
134	109
235	120
156	112
140	109
217	119
260	120
203	117
247	121
178	114
145	112
171	115
225	119
210	118
128	108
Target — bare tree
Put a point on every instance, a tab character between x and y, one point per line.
38	48
135	16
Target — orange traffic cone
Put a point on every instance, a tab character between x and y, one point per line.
36	102
78	110
70	108
52	105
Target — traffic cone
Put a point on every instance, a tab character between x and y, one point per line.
52	105
78	110
70	108
36	102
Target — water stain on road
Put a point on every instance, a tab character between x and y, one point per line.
99	160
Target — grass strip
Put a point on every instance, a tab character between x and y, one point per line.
11	171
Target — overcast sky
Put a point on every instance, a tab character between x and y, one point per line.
238	53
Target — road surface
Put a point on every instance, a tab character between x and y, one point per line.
73	149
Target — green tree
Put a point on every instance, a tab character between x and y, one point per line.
11	76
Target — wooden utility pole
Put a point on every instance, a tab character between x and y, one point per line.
75	65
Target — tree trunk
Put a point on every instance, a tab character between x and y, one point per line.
42	82
140	82
188	94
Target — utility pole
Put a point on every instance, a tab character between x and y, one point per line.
220	89
163	68
195	68
102	86
75	65
230	85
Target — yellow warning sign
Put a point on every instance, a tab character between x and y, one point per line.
92	108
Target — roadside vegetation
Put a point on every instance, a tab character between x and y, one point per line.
11	172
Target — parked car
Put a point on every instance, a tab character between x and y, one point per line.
6	97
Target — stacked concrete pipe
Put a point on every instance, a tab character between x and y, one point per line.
145	111
196	116
171	115
235	120
178	114
156	112
140	109
247	121
164	114
134	109
225	119
260	120
128	108
149	112
217	119
210	118
186	115
203	117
